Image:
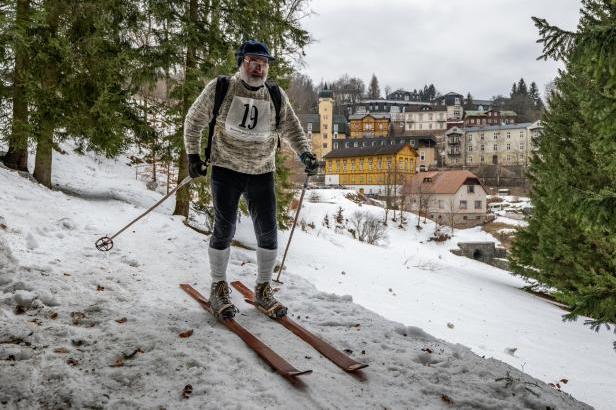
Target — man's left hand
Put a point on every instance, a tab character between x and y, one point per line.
311	163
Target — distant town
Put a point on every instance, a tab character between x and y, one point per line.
450	131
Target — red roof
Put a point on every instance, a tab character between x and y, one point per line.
440	182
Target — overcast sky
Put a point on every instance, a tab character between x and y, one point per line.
480	46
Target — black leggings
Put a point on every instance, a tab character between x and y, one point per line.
227	187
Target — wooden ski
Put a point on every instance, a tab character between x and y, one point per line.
267	354
336	356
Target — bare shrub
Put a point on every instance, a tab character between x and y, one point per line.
367	227
314	197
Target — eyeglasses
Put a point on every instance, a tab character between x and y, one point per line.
253	62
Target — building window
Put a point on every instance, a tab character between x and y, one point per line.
309	127
470	189
462	204
470	138
370	165
495	136
482	147
508	134
422	156
482	136
508	147
470	159
441	204
361	164
477	204
380	163
470	148
344	165
521	146
353	165
482	159
508	157
495	147
330	167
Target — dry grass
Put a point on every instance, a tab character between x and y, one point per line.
506	239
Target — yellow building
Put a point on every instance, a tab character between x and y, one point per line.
369	125
371	169
325	127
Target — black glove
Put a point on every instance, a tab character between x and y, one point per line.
310	161
196	167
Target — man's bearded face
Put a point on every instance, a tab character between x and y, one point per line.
253	70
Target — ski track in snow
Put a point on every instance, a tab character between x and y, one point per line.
102	330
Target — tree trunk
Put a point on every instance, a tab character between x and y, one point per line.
17	155
42	163
182	197
47	124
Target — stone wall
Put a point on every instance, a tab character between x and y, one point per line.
486	252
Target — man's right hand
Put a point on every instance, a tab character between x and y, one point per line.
196	167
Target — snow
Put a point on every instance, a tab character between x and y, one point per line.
510	221
83	328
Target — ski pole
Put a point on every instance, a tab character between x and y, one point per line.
299	206
106	243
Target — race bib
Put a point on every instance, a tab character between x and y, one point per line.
249	119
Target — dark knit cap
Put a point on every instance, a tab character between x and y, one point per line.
252	48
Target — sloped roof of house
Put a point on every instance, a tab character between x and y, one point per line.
315	119
482	113
441	182
364	151
377	116
499	127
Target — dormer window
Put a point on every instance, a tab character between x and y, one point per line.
427	180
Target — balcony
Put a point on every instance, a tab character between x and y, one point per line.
453	140
453	152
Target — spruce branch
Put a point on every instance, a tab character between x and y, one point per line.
557	43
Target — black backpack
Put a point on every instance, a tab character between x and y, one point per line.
222	86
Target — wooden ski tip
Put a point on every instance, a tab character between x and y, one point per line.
356	367
298	373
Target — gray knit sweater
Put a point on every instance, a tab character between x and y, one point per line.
245	135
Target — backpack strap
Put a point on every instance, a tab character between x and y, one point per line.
276	95
222	86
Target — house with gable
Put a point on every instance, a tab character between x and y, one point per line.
447	197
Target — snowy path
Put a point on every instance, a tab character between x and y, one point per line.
71	346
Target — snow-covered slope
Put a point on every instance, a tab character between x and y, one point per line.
83	328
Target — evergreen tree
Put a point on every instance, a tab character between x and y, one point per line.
522	103
521	88
14	24
570	241
284	192
469	99
75	81
533	93
374	91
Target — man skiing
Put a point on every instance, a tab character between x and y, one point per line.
250	116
